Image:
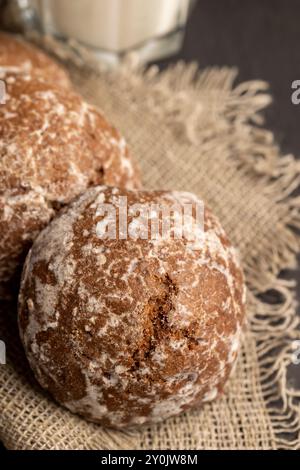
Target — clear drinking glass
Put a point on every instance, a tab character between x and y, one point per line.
111	28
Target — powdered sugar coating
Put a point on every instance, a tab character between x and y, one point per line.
53	146
125	332
18	56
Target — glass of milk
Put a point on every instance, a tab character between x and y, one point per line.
111	28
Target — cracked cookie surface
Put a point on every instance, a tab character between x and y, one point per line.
131	331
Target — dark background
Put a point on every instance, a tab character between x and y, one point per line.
262	38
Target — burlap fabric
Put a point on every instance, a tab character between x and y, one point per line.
199	132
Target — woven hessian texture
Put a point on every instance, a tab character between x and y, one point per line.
193	131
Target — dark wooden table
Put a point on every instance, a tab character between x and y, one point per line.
262	38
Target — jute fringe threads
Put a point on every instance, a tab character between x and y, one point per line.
192	131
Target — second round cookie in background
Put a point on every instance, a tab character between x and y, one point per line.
53	146
124	328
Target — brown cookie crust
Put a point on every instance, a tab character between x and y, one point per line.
53	146
125	332
19	56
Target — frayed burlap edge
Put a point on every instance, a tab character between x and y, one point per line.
276	327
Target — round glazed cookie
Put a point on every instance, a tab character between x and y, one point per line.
126	331
19	56
52	147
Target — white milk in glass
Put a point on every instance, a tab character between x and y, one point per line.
152	28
